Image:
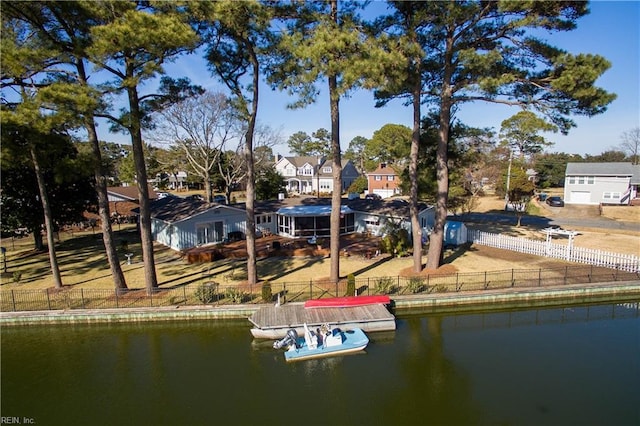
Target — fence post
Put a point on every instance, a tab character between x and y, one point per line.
116	291
590	272
184	294
512	283
48	300
457	275
151	298
284	293
13	301
337	288
539	277
82	297
566	271
311	289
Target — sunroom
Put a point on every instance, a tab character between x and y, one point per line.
310	221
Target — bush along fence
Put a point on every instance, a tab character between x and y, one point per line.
570	253
210	292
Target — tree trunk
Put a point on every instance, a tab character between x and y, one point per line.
416	229
336	195
208	193
436	240
103	198
252	269
48	221
146	237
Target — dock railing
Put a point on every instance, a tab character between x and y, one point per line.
210	292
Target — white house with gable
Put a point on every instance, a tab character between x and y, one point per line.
307	175
606	183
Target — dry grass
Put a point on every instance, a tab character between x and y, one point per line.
83	263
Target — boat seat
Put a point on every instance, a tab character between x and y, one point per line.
310	338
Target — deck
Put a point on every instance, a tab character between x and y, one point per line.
272	322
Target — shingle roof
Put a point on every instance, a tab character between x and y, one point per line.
599	169
176	209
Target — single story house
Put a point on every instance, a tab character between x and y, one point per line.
181	223
601	183
123	200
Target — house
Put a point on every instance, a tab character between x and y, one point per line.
601	183
307	175
383	181
124	199
182	223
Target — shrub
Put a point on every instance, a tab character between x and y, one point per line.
415	284
267	295
383	285
351	285
235	295
17	276
207	293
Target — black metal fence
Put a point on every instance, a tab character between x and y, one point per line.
209	292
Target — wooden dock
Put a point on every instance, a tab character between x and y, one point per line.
272	322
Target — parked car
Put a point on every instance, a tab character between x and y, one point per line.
220	199
372	197
555	201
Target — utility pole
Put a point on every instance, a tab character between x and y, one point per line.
506	194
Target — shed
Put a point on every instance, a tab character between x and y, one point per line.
455	233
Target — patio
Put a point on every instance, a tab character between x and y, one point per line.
274	246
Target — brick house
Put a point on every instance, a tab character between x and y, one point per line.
383	181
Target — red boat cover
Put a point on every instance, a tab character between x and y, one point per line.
343	302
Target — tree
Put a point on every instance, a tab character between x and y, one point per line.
355	152
631	144
322	42
131	44
201	127
69	189
269	183
237	40
520	133
316	145
487	52
520	189
389	144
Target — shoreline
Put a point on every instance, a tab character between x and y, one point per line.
487	300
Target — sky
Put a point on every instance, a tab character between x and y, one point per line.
612	30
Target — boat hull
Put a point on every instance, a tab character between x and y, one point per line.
354	341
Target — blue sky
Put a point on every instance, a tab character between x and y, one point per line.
612	30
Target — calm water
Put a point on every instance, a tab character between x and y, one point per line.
570	366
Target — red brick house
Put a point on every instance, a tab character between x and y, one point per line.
383	181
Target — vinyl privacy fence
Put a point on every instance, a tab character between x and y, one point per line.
570	253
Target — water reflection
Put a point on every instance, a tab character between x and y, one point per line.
513	367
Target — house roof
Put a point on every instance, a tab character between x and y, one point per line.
383	169
130	193
301	161
599	169
635	179
176	209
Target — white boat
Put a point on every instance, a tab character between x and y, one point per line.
321	343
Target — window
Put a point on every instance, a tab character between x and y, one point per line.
377	177
611	196
326	170
390	178
582	180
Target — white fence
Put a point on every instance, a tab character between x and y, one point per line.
595	257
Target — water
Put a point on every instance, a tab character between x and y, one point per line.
570	366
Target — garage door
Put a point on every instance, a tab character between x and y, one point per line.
580	197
